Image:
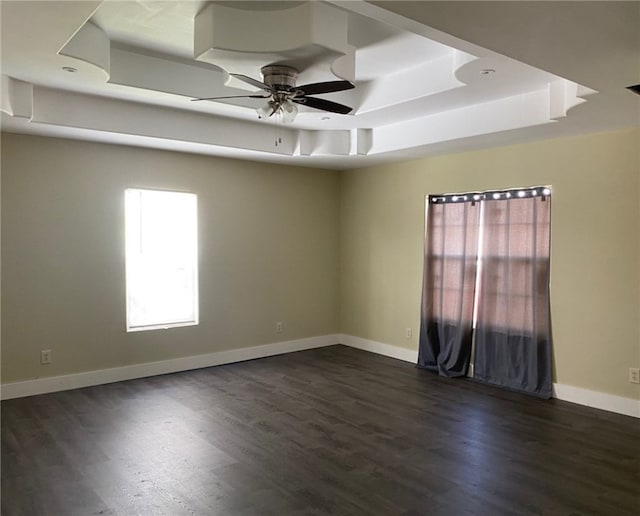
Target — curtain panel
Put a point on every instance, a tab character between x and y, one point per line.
451	245
513	329
486	288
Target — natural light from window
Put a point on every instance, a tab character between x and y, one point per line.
161	259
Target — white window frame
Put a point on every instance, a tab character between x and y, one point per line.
137	261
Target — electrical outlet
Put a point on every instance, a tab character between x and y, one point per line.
634	374
278	327
45	356
408	333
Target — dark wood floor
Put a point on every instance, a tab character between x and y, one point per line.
327	431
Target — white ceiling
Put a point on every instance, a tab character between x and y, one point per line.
561	68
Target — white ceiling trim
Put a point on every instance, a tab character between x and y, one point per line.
437	96
62	108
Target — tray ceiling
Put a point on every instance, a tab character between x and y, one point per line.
135	66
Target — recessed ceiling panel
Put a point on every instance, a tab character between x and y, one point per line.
415	87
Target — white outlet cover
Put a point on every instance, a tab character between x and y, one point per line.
45	356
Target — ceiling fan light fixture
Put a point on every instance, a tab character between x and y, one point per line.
284	110
289	111
265	111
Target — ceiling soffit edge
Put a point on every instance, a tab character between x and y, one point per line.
311	35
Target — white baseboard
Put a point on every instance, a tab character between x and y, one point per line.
388	350
596	399
589	398
118	374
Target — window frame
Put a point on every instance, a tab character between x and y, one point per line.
194	269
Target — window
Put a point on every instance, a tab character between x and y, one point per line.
161	259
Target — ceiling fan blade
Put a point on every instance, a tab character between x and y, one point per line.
233	97
325	87
322	104
249	80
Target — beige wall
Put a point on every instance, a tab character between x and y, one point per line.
595	246
292	244
268	252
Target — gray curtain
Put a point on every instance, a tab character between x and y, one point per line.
451	244
513	328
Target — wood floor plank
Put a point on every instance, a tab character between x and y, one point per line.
327	431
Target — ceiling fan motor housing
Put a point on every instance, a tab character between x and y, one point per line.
280	77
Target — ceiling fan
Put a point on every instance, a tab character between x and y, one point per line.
280	88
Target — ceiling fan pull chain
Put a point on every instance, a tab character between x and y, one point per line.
278	115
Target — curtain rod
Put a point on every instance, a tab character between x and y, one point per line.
492	195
